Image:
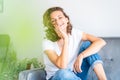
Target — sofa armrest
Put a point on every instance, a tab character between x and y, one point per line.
33	74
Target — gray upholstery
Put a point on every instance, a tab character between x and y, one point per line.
35	74
110	56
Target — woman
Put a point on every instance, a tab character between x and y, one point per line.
69	52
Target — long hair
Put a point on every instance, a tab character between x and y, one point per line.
49	31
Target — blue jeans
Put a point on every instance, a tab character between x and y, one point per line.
66	74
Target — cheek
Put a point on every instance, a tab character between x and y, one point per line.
53	24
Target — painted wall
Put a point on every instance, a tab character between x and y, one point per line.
21	19
98	17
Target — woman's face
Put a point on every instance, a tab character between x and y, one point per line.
58	20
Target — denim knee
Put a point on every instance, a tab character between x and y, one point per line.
65	74
85	45
89	61
93	59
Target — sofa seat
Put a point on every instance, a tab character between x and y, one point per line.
110	55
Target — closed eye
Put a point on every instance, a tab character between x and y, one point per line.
60	17
53	21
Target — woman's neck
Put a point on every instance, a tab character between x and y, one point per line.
60	41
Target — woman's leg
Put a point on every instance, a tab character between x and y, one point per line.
64	74
93	61
98	69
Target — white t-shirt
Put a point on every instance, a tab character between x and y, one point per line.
73	49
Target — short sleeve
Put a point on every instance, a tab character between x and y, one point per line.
47	45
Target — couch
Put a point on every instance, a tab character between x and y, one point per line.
110	55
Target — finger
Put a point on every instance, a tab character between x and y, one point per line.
74	70
75	67
78	68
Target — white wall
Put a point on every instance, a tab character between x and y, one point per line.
98	17
22	20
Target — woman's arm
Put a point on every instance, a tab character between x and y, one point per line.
62	60
96	45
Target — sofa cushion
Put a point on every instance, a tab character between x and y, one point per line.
111	57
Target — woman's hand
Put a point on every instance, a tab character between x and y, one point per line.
61	33
78	63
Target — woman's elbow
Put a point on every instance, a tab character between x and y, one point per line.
62	66
103	42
